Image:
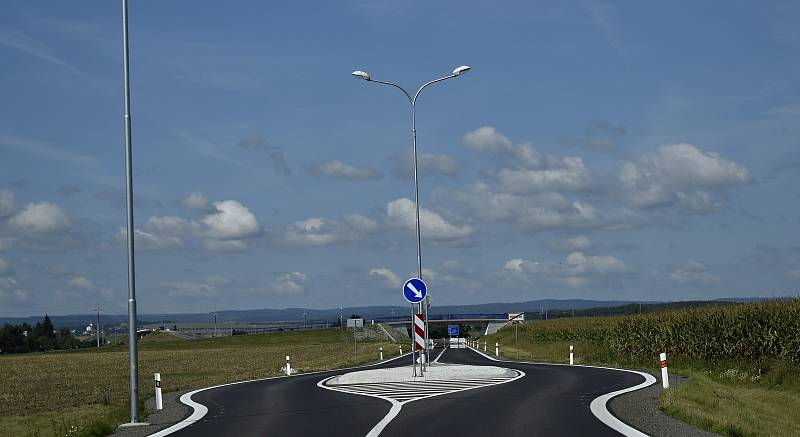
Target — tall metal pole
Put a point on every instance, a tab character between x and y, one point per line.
133	354
413	343
423	307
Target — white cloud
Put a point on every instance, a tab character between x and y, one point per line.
487	139
7	202
161	233
292	283
196	201
389	277
315	231
401	213
5	267
600	264
82	283
320	231
41	218
225	228
231	221
577	215
693	273
680	175
516	265
576	270
343	170
529	171
361	224
428	163
541	211
574	244
569	175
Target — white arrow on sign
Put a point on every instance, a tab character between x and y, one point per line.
417	293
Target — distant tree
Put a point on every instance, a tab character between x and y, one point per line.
48	330
41	337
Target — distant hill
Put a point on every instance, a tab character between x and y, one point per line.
554	307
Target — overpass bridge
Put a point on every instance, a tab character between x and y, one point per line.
433	318
492	321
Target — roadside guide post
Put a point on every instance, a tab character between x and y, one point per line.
664	374
571	360
159	400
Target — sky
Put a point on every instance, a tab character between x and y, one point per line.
596	150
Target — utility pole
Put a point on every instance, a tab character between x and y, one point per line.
305	318
97	331
215	323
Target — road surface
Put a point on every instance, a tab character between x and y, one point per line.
548	401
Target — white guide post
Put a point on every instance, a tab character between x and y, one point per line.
381	354
497	349
288	367
571	359
664	374
159	400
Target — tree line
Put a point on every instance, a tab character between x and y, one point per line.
41	337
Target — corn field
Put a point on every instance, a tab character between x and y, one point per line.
750	332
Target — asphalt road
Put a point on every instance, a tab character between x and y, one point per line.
548	401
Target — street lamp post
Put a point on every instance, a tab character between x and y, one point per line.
133	353
413	100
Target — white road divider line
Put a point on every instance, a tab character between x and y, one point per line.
598	405
440	355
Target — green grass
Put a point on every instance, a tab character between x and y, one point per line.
758	396
733	409
49	393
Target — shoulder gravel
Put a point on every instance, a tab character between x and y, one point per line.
640	410
174	411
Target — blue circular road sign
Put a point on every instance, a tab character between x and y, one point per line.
414	290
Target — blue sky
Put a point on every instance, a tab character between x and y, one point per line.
596	150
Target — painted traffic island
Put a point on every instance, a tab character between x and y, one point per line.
434	372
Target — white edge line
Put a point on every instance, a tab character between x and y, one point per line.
200	410
397	405
598	405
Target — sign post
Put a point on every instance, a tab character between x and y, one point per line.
414	290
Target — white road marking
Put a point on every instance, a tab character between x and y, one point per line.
598	406
440	355
401	393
